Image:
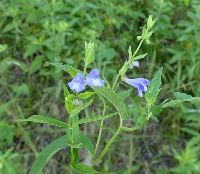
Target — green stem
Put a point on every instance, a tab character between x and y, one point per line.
71	137
130	156
149	112
70	169
129	129
137	48
100	130
115	82
84	71
106	148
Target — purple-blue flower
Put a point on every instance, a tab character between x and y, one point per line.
93	79
135	63
78	83
139	83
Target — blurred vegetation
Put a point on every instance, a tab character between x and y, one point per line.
34	33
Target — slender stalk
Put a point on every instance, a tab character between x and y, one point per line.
129	129
70	169
104	151
149	112
71	138
115	82
100	130
130	156
84	71
137	48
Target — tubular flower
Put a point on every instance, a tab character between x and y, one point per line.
93	79
78	83
139	83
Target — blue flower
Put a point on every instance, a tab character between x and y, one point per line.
77	83
93	79
135	63
139	83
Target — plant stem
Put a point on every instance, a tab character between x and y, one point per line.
130	156
137	48
115	82
70	169
84	71
104	151
100	130
149	112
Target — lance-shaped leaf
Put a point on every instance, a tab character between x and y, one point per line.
79	108
89	53
47	153
180	98
65	91
44	119
95	118
85	95
67	68
142	56
82	168
154	88
86	143
125	93
3	48
115	99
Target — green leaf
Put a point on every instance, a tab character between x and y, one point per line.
73	132
190	131
123	70
65	90
3	48
150	22
32	48
84	169
16	63
114	99
69	102
44	119
85	95
86	143
22	89
79	108
36	64
95	118
182	96
125	93
67	68
89	53
154	88
47	153
173	103
142	56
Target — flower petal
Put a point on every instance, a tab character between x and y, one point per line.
139	83
93	79
77	83
136	64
